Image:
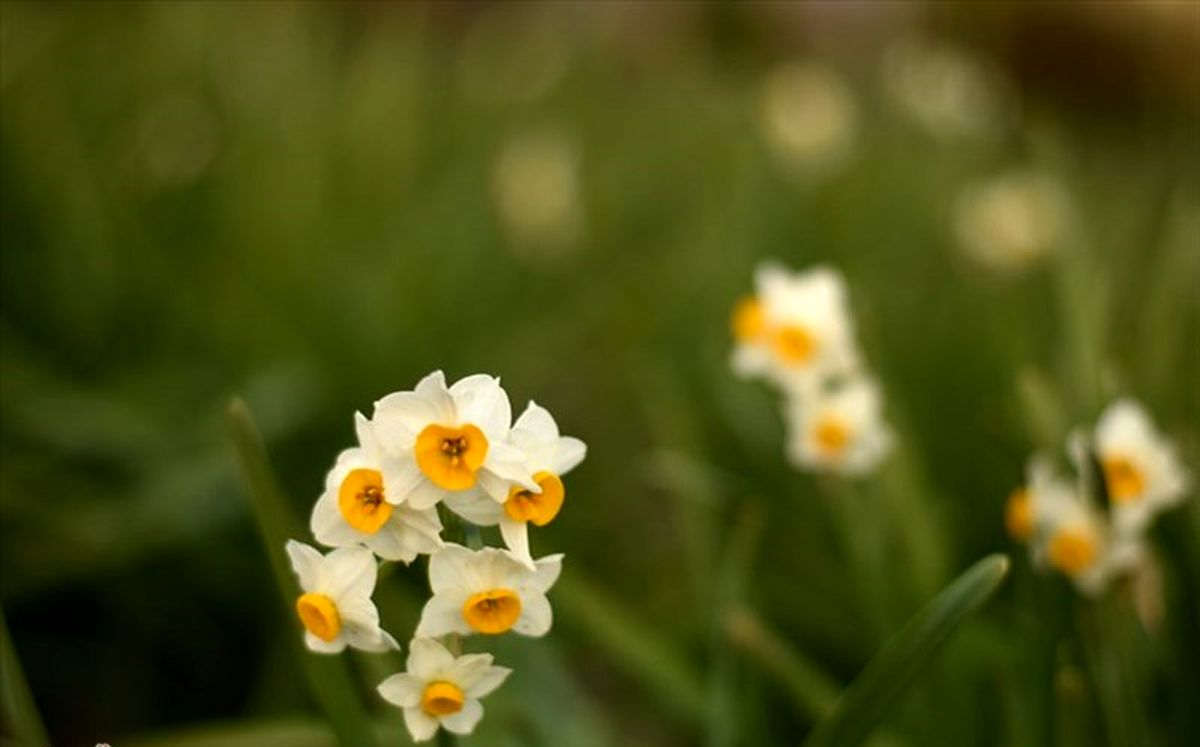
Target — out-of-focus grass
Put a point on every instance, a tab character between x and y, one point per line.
295	202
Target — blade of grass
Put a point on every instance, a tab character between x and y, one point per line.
328	678
885	679
20	712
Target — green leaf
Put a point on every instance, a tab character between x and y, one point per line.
19	711
328	677
886	678
811	689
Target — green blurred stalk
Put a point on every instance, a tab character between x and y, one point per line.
813	693
882	684
20	712
328	677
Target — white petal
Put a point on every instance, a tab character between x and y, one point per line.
421	726
401	476
537	422
328	525
548	570
433	389
476	507
488	681
402	689
425	495
348	572
464	721
374	641
400	417
568	453
536	616
494	487
443	615
321	647
452	569
516	538
466	670
481	401
365	433
428	659
306	562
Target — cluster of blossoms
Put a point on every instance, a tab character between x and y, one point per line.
1135	473
454	446
796	333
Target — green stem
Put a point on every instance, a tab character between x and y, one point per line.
328	677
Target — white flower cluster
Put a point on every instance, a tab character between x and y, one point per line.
1127	462
436	444
796	333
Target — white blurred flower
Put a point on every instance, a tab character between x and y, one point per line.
536	186
440	689
1012	221
336	607
796	327
487	591
1031	506
807	114
354	509
549	456
945	91
1142	473
1077	542
441	440
838	431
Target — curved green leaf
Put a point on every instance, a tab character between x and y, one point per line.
883	682
328	678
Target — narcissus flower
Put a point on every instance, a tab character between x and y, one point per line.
840	430
355	510
1142	474
1077	543
336	607
549	456
808	115
1012	221
441	689
487	591
443	440
796	326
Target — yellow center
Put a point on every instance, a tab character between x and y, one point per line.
1072	552
540	508
319	615
360	499
492	612
832	435
450	457
1125	481
442	699
749	321
794	345
1018	515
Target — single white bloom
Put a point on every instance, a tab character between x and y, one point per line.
443	440
354	509
487	591
1077	542
336	607
441	689
549	456
838	431
1142	473
796	327
808	115
1012	221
